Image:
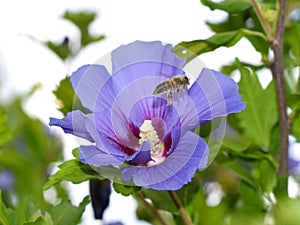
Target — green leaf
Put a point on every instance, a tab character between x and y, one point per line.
5	131
295	128
66	97
251	197
287	211
230	6
67	214
191	49
75	153
281	190
161	199
64	92
268	176
74	171
3	215
293	101
125	190
258	119
62	50
243	173
83	20
188	191
40	218
233	140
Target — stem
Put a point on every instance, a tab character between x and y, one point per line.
277	71
180	208
262	20
153	209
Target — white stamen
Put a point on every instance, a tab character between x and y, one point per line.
148	133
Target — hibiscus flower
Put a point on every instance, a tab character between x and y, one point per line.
149	140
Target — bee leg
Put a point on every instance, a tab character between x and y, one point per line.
170	97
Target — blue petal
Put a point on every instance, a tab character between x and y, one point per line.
139	51
87	82
113	128
189	155
134	82
215	95
137	68
164	118
142	156
95	157
74	123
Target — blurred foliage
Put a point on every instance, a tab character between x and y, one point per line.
246	167
67	48
241	185
28	150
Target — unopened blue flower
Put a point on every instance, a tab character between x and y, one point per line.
149	140
6	180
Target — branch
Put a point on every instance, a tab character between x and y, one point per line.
262	20
180	208
152	208
278	71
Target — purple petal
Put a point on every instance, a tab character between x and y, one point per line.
163	117
95	157
74	123
215	95
134	82
113	128
189	155
139	51
87	82
103	139
143	155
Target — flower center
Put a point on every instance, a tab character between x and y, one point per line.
148	133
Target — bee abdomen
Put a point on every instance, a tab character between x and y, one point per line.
161	87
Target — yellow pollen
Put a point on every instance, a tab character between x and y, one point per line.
148	133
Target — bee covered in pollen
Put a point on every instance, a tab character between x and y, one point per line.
169	86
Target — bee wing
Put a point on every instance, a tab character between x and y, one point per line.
168	76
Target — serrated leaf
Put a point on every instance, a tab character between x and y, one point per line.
230	6
73	171
258	118
191	49
125	190
67	214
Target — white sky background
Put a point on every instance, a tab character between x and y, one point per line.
24	62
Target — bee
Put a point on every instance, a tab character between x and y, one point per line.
169	86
